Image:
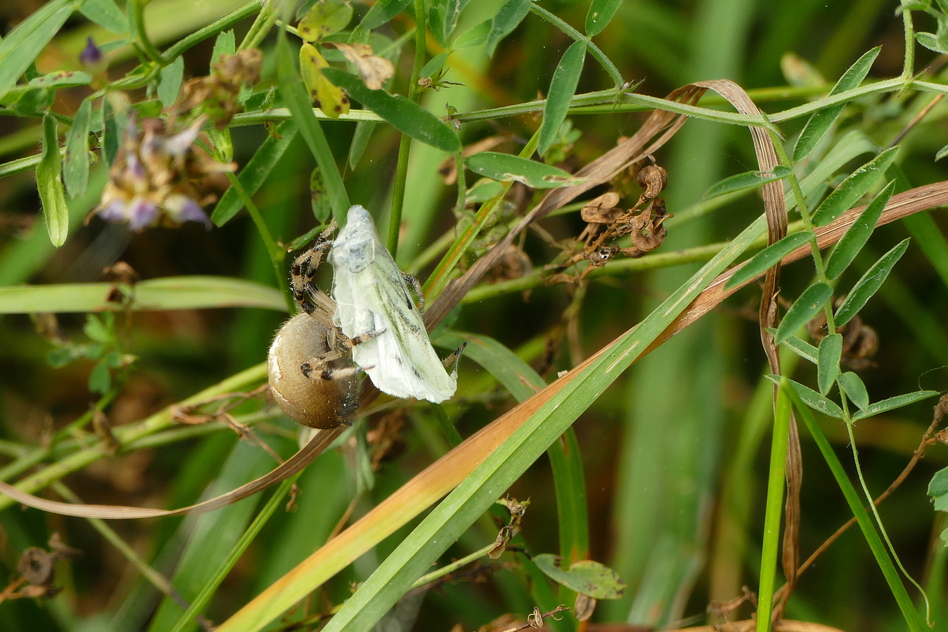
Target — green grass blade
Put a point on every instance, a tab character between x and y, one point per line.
766	258
820	122
405	116
297	100
562	88
858	234
869	284
803	310
852	188
25	42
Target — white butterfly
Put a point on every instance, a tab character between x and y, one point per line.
374	305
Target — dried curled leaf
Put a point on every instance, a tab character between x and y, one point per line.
373	70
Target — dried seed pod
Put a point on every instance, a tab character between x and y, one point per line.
311	375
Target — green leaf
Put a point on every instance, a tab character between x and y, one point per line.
803	310
62	79
858	234
599	15
76	163
98	329
50	184
801	347
827	364
328	97
225	44
318	198
938	489
855	390
325	18
450	17
852	188
506	168
766	258
106	14
869	284
562	88
892	403
932	42
256	172
475	36
507	19
407	117
25	42
747	180
812	399
941	153
381	13
820	122
100	379
585	576
170	82
434	65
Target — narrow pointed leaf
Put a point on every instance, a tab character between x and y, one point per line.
474	36
803	310
24	43
62	79
855	390
821	121
562	88
812	399
405	116
382	12
802	348
747	180
507	19
255	173
827	365
766	258
599	15
858	234
893	402
506	168
50	184
76	163
852	188
869	284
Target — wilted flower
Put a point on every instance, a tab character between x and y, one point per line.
217	95
159	179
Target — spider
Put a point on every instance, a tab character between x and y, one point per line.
311	373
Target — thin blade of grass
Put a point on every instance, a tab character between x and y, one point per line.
25	42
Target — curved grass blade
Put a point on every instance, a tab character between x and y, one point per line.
820	122
803	310
869	284
562	88
405	116
256	172
827	361
507	19
49	181
767	258
858	234
507	168
747	180
853	188
76	161
25	42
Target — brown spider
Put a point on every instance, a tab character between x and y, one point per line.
311	373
